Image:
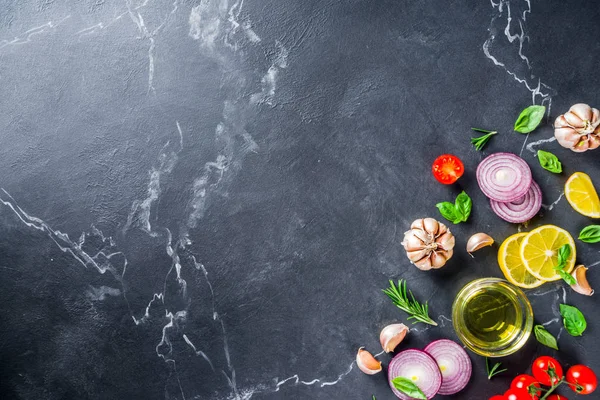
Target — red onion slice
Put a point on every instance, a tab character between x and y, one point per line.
419	367
454	363
520	210
504	177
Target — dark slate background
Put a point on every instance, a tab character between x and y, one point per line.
202	199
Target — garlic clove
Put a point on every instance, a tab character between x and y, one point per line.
417	224
595	116
581	112
391	336
423	264
431	225
438	259
416	255
367	363
478	241
412	242
446	241
582	286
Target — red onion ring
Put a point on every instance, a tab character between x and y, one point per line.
504	177
420	368
520	210
454	363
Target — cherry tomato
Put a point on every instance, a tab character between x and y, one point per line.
547	370
582	379
497	397
556	397
447	169
516	394
528	384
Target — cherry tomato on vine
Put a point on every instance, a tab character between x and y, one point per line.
556	397
447	169
516	394
582	379
546	370
497	397
527	384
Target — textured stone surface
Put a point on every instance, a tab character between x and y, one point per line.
202	199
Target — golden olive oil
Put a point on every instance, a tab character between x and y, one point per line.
491	316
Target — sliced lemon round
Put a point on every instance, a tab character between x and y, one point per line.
511	264
539	252
582	196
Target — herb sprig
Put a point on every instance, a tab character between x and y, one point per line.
480	141
563	256
405	300
494	370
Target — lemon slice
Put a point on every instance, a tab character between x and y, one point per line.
509	259
582	195
539	251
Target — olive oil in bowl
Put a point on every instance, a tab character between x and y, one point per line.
492	317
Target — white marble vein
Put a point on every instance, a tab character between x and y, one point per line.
554	203
520	68
28	35
102	292
146	33
530	146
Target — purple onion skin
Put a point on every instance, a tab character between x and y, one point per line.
515	192
521	210
401	358
445	389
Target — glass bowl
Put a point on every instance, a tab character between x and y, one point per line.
492	317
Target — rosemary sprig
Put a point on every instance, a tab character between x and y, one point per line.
480	141
405	301
494	371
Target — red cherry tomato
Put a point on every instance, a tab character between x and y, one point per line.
498	397
447	169
556	397
582	379
547	370
528	384
516	394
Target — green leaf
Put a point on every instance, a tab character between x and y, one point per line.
573	320
566	276
449	212
529	119
590	234
480	141
563	254
407	387
463	205
549	162
545	337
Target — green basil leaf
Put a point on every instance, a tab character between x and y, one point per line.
567	277
463	205
529	119
563	254
590	234
407	387
573	320
549	161
449	212
545	337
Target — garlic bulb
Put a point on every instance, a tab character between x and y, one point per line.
428	244
579	128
